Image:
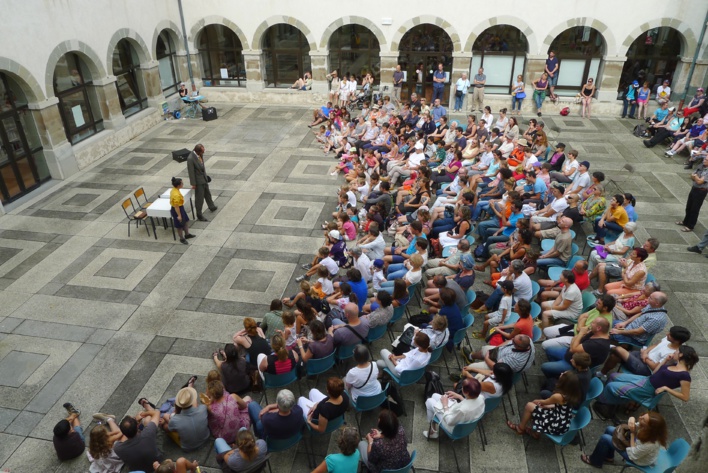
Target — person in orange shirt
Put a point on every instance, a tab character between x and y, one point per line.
613	219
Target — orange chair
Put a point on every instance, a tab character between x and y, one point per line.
141	193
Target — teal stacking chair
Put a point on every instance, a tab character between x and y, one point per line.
668	460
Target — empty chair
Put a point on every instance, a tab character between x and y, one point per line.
275	381
141	193
136	216
367	403
317	366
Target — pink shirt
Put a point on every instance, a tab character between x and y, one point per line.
349	229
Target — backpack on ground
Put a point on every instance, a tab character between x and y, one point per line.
433	384
639	130
565	111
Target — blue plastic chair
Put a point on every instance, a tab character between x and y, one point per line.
554	272
376	333
459	336
471	297
512	318
535	289
574	249
345	352
460	431
406	468
651	404
537	333
280	445
406	378
579	422
276	381
650	278
366	403
332	425
668	459
398	313
535	310
594	390
589	300
470	239
436	354
317	366
490	404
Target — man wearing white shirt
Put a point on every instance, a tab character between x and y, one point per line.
461	87
550	212
414	160
663	93
485	160
581	181
374	248
362	263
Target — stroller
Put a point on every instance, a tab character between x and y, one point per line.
361	97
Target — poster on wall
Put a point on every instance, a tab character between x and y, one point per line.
224	73
78	115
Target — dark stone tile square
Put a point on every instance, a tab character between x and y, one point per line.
17	366
138	161
573	123
253	280
596	149
224	165
80	200
317	169
118	268
667	236
7	253
291	213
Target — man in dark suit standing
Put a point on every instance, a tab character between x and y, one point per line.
199	181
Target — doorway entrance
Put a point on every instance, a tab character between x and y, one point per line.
422	49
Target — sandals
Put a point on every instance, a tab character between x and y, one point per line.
586	459
144	400
686	230
680	222
532	433
191	380
514	427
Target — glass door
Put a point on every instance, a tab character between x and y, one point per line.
411	61
17	168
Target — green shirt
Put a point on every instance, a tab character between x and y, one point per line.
592	315
271	322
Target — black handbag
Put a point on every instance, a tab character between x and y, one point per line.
458	93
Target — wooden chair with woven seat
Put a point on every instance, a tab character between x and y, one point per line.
136	216
141	193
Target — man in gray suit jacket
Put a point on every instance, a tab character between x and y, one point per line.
198	180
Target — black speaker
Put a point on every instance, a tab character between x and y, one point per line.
181	155
208	114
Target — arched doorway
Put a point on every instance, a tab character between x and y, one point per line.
222	58
579	50
78	102
286	54
129	78
167	62
354	49
425	45
652	57
22	164
501	51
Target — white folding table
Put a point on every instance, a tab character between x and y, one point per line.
161	209
186	193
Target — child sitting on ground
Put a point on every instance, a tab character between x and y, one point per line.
288	332
346	162
323	286
321	259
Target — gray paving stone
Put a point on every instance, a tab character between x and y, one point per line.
24	423
101	336
8	445
17	366
161	344
53	390
27	236
190	303
6	254
253	280
51	288
194	348
92	293
9	324
119	268
71	333
6	417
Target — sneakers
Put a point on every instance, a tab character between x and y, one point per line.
597	293
71	409
694	249
190	235
103	418
601	376
669	153
334	173
431	434
183	241
301	278
306	266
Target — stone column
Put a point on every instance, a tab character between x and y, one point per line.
609	82
153	86
108	101
389	60
678	84
535	66
57	150
461	62
318	63
255	72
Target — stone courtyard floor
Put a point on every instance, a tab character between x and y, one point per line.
94	317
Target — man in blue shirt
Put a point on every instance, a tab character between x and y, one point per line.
508	227
535	190
321	114
552	71
689	138
438	83
438	111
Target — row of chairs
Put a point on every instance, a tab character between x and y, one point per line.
137	215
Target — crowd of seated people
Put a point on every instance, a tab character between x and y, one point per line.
428	205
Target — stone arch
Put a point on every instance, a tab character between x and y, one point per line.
24	78
216	20
430	19
141	48
174	33
531	37
688	38
351	20
288	20
602	28
92	60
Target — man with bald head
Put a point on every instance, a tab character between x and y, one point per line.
562	248
593	339
351	332
518	353
640	329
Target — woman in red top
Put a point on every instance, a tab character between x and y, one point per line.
523	326
552	288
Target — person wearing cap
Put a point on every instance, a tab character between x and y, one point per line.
663	92
581	181
629	101
694	106
664	129
189	422
405	170
696	197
